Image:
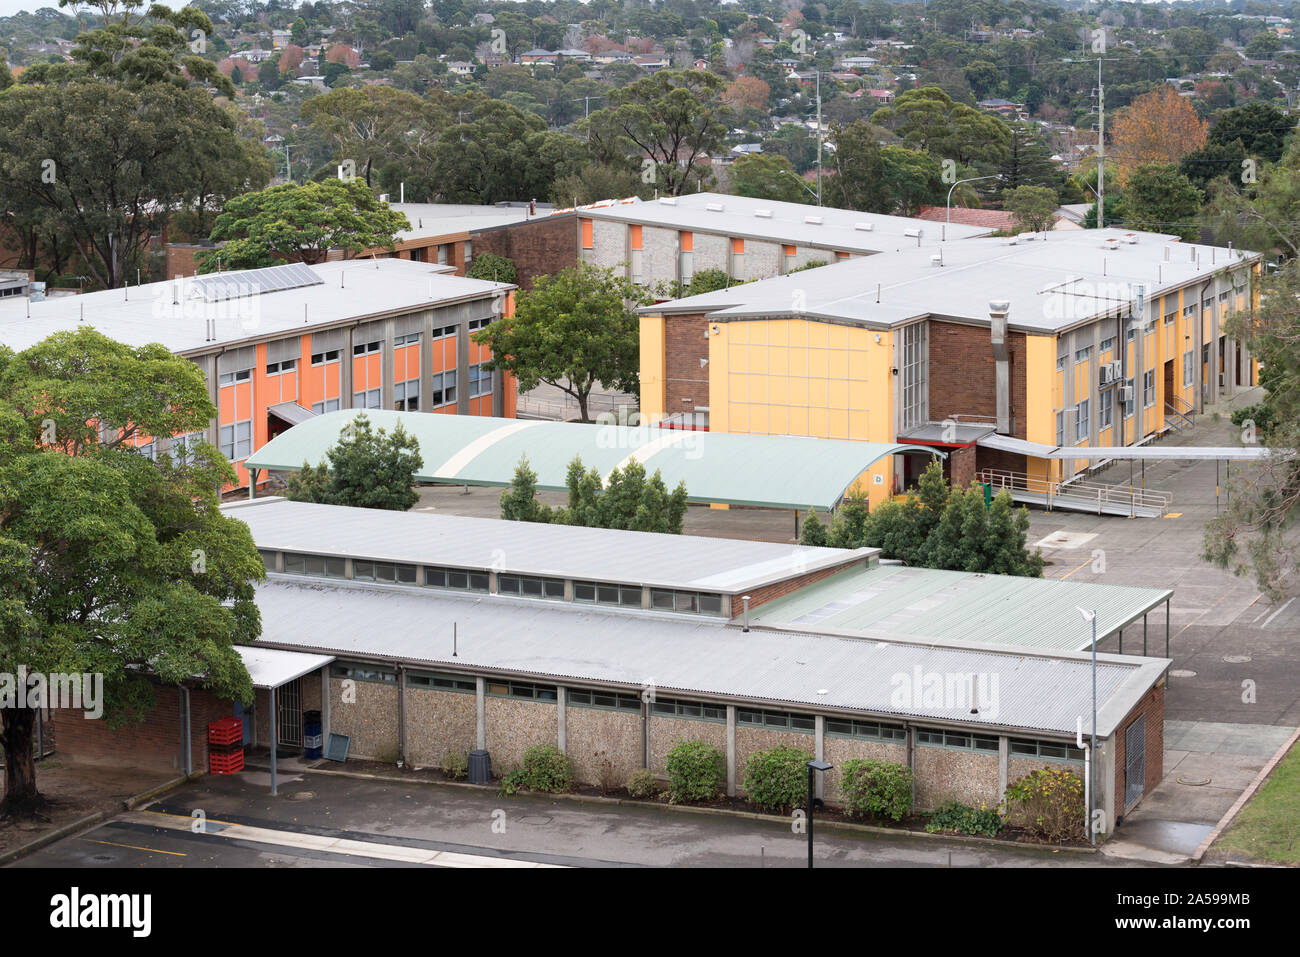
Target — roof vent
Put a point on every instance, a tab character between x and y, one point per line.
1131	238
813	220
1110	242
865	227
1011	241
912	233
715	207
668	200
763	213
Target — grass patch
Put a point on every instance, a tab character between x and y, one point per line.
1268	827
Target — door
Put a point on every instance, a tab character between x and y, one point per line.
289	714
245	717
1135	761
1169	383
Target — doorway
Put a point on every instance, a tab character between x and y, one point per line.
289	714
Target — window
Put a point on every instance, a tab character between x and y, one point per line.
1189	310
329	405
444	254
182	450
1060	363
149	450
1208	303
1170	317
1187	369
1060	428
365	348
1083	355
1131	332
385	572
1148	388
237	440
362	673
317	566
695	603
1049	750
457	578
413	339
676	708
521	689
1223	296
230	378
1128	406
1107	409
915	391
525	586
610	700
370	399
872	730
444	388
956	739
406	396
320	358
444	332
1082	421
437	682
599	593
775	719
476	324
1107	345
480	381
268	559
287	365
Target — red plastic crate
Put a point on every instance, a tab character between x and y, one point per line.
226	731
226	763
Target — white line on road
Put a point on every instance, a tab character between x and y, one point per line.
1268	621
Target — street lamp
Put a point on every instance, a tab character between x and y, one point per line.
813	801
794	75
1091	616
973	179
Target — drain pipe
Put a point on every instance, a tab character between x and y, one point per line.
1087	775
998	312
745	599
401	716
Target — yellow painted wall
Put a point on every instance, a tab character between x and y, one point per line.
654	357
1041	379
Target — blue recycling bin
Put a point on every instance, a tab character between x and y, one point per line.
312	739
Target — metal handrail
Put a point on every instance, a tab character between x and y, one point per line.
1092	492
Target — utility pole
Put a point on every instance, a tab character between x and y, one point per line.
819	137
1101	150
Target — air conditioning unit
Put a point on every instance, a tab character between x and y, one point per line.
1126	393
1116	369
1106	374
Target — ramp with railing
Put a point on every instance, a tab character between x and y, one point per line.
1095	497
1179	414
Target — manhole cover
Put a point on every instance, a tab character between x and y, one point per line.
302	795
1182	673
1194	782
105	858
1236	659
535	820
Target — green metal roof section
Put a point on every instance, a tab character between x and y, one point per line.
926	603
758	470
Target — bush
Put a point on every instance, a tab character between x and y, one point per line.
696	771
777	780
1049	805
492	267
876	788
642	784
954	816
545	768
456	765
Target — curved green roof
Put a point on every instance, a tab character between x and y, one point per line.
760	470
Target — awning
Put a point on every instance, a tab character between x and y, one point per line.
291	412
1005	443
270	668
1204	453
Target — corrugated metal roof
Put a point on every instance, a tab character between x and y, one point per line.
800	671
946	605
271	668
762	470
564	551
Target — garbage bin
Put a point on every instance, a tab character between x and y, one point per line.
312	740
480	767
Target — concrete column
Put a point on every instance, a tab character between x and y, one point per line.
462	367
561	713
498	393
1004	762
1105	797
274	758
731	750
480	708
426	363
387	357
819	752
401	716
325	706
345	368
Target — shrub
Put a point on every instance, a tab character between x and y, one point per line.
545	768
876	788
493	268
1048	804
606	772
642	784
954	816
456	765
778	779
696	771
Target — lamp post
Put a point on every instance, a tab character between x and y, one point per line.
1091	616
973	179
813	801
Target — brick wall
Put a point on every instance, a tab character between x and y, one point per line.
684	378
961	466
180	258
761	596
537	247
1152	706
154	741
962	374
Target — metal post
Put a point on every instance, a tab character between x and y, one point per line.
1092	769
1166	627
1121	641
819	137
273	736
1216	485
811	773
1144	634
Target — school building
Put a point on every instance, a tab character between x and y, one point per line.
418	634
281	345
1008	353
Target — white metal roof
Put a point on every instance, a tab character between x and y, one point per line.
445	219
271	667
563	551
1005	443
167	313
561	642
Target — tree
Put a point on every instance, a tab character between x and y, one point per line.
1268	220
1033	206
292	223
1158	198
372	126
984	78
1158	127
492	267
367	468
746	92
626	500
1028	161
112	564
519	501
1261	128
876	179
1254	532
572	330
763	176
929	119
814	531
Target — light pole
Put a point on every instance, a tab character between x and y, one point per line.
800	181
973	179
813	801
1091	616
794	75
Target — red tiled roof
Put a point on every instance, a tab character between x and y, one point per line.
990	218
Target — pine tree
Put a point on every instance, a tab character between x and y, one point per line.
814	531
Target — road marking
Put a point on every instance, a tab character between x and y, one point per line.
1086	561
335	845
1269	620
137	847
